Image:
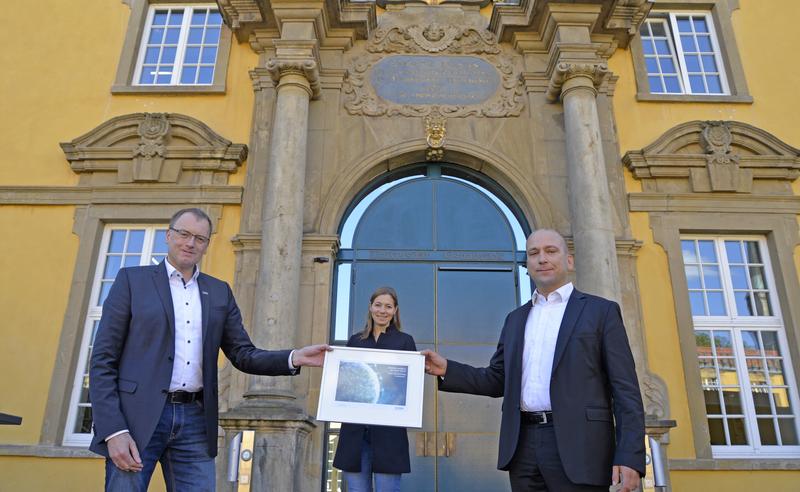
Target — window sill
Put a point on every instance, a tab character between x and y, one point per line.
45	451
168	89
690	98
722	464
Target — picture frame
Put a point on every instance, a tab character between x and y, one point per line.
372	387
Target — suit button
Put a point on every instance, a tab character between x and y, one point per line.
170	358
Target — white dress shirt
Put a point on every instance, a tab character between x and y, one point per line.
541	333
187	366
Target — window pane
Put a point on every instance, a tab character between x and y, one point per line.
209	55
737	431
761	401
716	304
696	83
164	76
717	431
667	65
713	406
684	24
755	371
751	344
156	35
160	17
206	75
151	55
707	252
722	340
160	241
727	375
770	340
168	56
743	307
739	277
192	55
672	85
655	84
711	277
709	64
788	431
132	260
775	371
693	277
714	84
688	250
688	44
135	241
780	397
199	17
658	29
753	252
733	250
766	431
698	306
700	24
173	34
692	63
214	18
662	47
188	75
703	340
757	277
148	75
652	65
733	401
104	288
704	44
763	307
648	47
112	267
117	242
83	423
212	35
176	17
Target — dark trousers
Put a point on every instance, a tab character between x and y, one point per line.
536	466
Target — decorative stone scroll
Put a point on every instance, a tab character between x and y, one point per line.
495	86
564	71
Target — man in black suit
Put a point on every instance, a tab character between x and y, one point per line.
153	373
573	418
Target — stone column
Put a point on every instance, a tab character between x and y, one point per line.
589	197
275	316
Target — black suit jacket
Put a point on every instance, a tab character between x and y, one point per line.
593	385
389	444
131	364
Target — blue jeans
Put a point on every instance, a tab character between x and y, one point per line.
179	444
362	481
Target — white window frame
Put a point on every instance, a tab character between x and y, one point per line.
674	34
72	438
736	324
180	50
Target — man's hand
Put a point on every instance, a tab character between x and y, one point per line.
123	452
628	478
435	364
311	356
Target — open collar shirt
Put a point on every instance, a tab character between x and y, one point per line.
187	366
541	333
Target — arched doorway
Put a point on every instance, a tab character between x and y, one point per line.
453	246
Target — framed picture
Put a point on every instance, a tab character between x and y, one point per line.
372	386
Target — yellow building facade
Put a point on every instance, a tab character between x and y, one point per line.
658	136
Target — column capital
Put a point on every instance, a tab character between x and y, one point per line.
582	74
307	70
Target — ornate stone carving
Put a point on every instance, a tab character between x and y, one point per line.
148	156
564	71
435	132
628	15
655	396
153	147
308	69
444	39
433	38
715	156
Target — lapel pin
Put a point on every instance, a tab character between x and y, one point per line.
205	293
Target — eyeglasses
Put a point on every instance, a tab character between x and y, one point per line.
186	235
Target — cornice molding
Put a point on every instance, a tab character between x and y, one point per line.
121	194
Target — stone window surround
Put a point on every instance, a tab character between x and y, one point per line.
780	231
123	82
721	11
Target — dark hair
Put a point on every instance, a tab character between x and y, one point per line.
194	211
370	325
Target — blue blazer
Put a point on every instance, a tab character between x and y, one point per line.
592	386
131	364
389	445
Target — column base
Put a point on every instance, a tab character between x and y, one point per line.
282	444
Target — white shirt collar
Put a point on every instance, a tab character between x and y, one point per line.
171	270
559	295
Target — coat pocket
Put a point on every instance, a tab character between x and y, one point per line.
595	413
126	386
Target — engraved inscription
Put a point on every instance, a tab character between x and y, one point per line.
425	79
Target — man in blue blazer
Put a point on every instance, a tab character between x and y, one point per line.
153	374
572	418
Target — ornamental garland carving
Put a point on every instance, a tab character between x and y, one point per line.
716	140
360	97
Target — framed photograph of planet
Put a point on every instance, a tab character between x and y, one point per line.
372	386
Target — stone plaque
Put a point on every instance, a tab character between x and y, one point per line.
434	80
